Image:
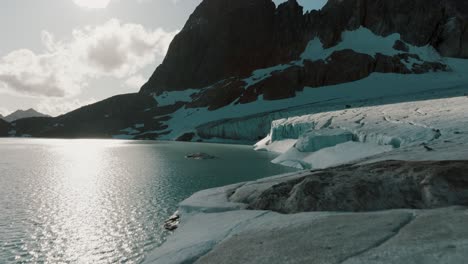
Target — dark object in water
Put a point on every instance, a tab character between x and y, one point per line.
428	148
173	222
200	156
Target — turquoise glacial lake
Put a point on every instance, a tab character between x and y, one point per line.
104	201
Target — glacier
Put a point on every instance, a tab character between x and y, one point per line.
337	137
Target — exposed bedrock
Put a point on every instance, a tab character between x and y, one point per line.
441	23
232	38
340	67
356	188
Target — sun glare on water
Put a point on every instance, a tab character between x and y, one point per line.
92	3
81	214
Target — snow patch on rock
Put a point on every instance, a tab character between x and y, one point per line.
262	74
364	41
170	98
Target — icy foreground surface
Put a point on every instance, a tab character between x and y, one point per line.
420	130
215	229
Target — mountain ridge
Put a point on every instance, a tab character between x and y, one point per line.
21	114
439	23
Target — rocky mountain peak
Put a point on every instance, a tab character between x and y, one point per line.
228	38
232	38
20	114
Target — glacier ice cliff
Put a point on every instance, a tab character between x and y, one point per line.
419	130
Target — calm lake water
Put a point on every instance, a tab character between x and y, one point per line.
103	201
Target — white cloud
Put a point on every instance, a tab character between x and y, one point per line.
99	4
4	111
92	3
135	82
109	50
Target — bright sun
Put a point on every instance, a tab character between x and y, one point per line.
92	3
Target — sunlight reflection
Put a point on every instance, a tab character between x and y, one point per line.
103	201
80	221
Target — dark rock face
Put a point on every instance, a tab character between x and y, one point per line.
380	186
341	67
401	46
440	23
231	38
4	128
220	95
33	126
216	40
186	137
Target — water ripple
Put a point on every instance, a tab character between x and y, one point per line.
100	201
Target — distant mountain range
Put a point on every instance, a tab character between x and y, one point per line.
21	114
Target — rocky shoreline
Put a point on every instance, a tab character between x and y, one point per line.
384	212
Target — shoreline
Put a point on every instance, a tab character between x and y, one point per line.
217	228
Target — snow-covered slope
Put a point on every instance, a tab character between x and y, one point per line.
376	86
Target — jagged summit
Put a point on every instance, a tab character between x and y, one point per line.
223	39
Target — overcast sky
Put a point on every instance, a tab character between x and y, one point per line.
58	55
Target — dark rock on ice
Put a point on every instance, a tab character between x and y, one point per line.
173	222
